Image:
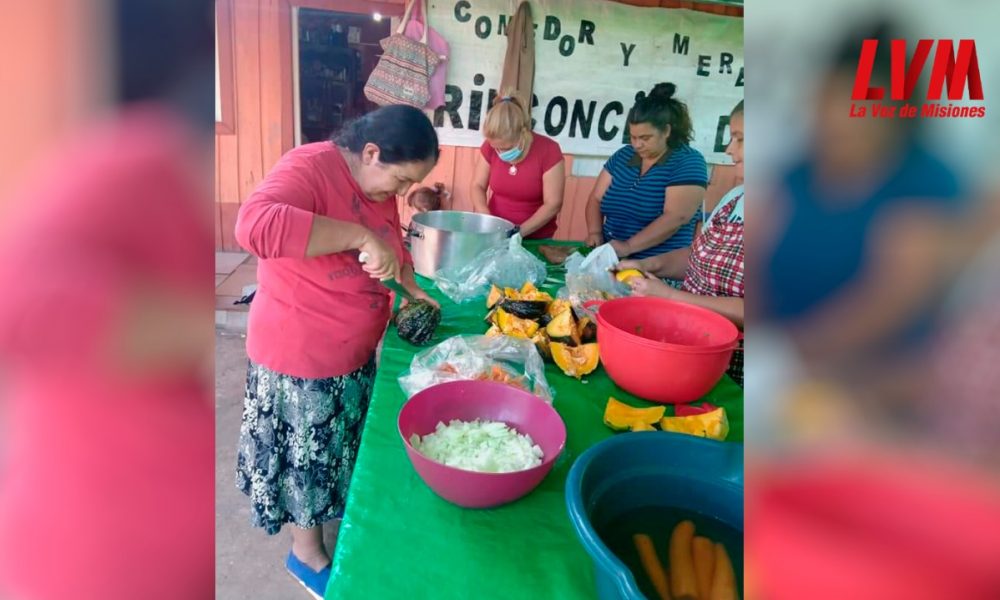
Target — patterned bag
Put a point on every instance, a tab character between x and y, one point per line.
402	75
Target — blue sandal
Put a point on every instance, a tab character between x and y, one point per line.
314	582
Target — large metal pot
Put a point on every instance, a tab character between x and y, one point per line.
440	239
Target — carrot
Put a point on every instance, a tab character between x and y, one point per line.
683	583
723	579
651	564
704	561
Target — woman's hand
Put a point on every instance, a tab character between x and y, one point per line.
650	286
630	264
419	294
621	247
380	262
595	239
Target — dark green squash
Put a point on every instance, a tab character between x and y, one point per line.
417	321
525	309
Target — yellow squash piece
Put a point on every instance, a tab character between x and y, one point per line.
622	417
575	361
495	296
527	289
542	343
514	326
562	328
493	331
713	425
559	306
624	276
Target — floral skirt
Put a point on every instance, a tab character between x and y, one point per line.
299	439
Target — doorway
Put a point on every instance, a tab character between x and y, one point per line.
334	54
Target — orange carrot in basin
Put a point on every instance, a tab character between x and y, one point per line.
704	562
683	583
651	564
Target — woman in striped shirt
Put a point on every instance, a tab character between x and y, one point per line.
646	199
712	268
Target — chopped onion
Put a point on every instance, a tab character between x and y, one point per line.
484	446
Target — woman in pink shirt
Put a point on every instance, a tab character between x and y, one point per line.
523	171
317	317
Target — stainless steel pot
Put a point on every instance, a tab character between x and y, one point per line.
443	238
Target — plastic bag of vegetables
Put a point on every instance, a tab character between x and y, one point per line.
505	359
506	265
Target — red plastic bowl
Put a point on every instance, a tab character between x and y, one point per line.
662	350
485	400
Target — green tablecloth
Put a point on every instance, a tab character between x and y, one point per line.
399	540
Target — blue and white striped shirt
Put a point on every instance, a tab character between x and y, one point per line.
633	202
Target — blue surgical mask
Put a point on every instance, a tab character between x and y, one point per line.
511	155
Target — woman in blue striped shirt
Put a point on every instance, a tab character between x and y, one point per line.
646	200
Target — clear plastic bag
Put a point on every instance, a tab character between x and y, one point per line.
507	265
501	358
590	278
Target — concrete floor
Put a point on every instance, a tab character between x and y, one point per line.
249	564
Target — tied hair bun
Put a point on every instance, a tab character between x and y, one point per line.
662	92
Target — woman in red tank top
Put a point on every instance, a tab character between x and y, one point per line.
520	175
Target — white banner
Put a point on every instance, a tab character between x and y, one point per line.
591	59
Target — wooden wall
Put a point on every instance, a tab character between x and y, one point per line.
259	32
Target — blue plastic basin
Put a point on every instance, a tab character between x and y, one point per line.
634	471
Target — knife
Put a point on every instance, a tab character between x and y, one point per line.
389	282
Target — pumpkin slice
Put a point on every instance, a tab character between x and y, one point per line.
562	328
542	343
640	426
575	361
515	326
493	331
621	417
588	330
558	306
495	296
511	293
625	275
713	425
525	309
528	288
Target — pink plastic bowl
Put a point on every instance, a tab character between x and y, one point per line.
485	400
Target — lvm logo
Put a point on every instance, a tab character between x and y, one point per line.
951	74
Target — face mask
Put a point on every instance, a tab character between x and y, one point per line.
510	155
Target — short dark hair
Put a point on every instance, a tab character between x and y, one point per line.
660	109
402	133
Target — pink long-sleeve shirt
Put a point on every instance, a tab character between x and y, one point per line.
323	316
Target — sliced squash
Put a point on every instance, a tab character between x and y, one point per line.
562	328
528	288
625	275
542	343
493	331
575	361
713	425
515	326
525	309
495	296
588	330
558	306
621	417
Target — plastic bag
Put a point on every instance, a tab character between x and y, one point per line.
501	358
589	278
506	265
